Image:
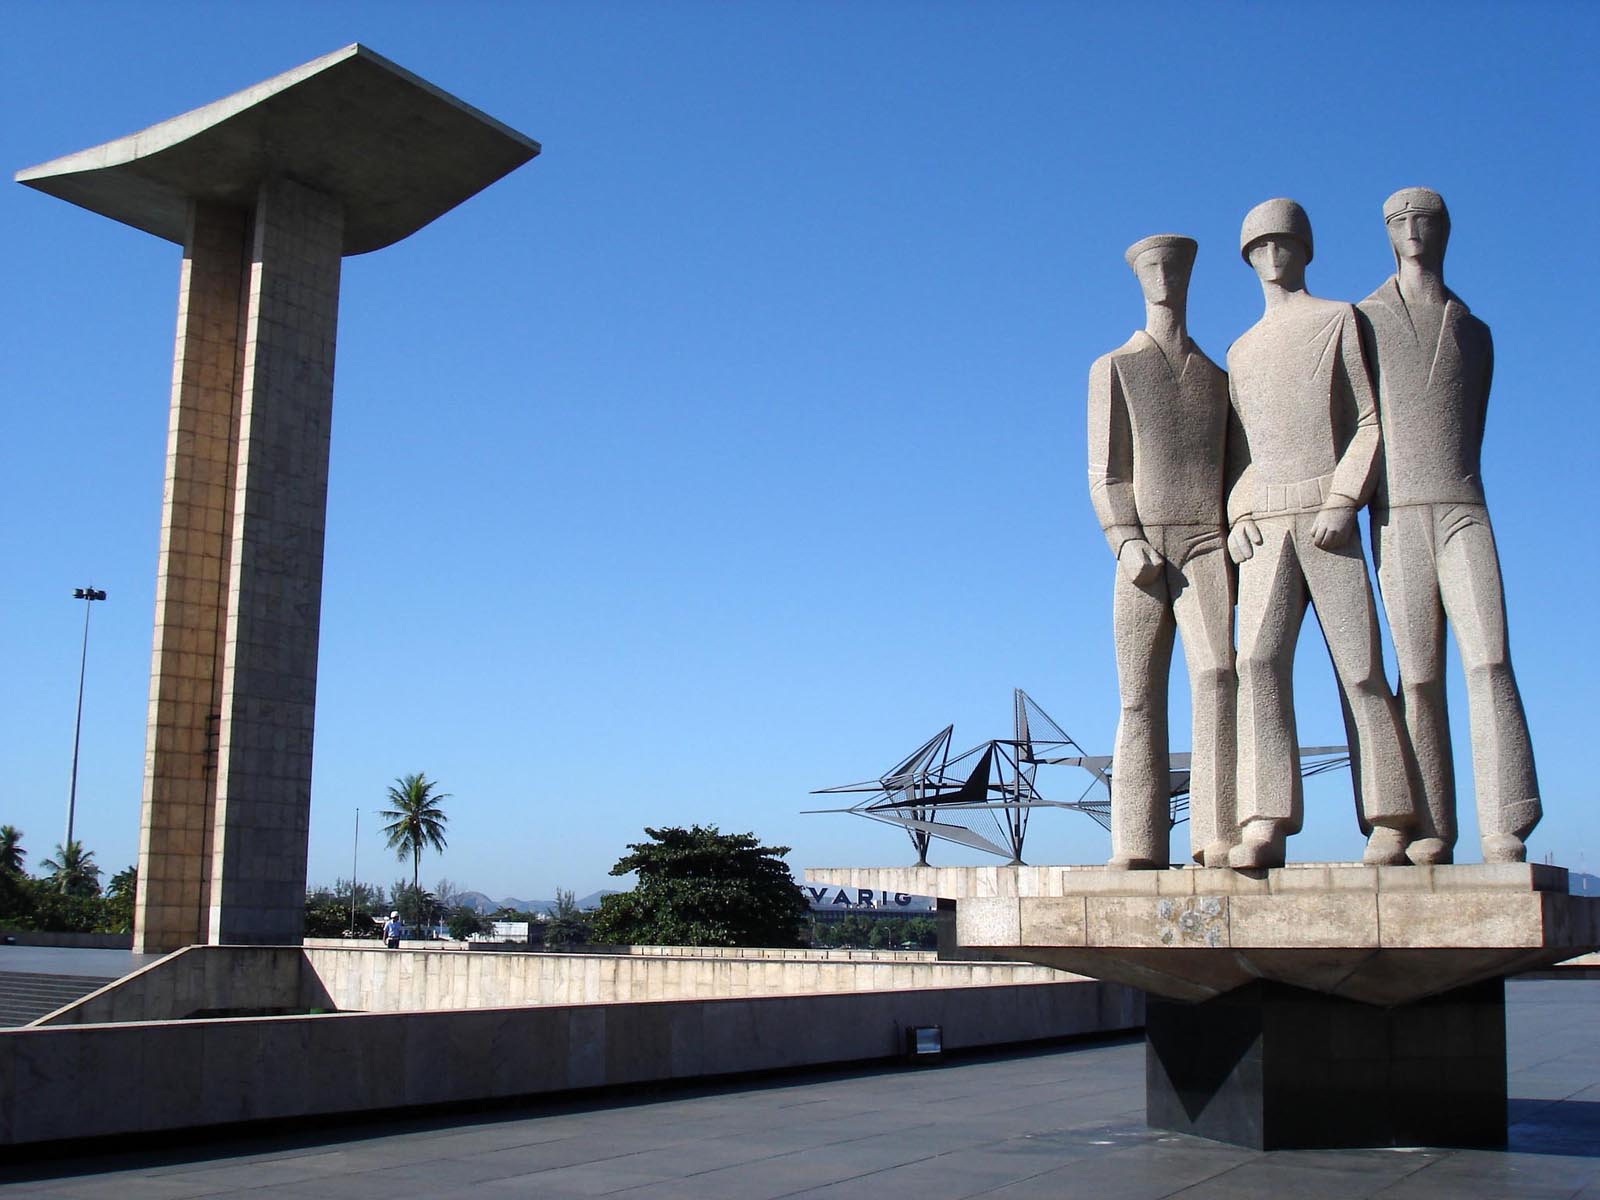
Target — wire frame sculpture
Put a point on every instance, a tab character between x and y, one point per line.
982	798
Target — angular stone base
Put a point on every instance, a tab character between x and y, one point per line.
1276	1067
1377	935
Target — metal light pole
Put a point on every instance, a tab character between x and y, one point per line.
88	595
355	851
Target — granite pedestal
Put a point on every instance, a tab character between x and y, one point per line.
1325	1004
1276	1067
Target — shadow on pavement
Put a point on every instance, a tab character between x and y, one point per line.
1563	1127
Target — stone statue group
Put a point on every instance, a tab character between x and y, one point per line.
1240	489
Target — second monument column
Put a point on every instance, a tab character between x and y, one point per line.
269	680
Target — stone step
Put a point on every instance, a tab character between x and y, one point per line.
26	997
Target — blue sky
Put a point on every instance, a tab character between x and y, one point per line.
735	445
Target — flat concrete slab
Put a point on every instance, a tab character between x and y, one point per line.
393	149
1052	1124
65	960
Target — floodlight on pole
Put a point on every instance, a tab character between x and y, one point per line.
88	595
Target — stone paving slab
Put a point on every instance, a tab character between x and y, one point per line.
72	960
1057	1123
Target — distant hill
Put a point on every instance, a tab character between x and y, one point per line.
479	902
487	904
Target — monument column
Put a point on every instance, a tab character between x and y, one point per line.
266	190
269	653
234	672
192	580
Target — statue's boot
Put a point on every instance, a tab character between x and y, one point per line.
1385	848
1129	862
1430	852
1504	848
1215	855
1261	847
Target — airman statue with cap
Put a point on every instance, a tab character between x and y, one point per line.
1431	538
1158	427
1310	440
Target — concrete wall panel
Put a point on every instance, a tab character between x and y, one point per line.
89	1080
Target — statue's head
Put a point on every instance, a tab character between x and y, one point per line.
1275	240
1419	225
1162	264
1278	258
1281	219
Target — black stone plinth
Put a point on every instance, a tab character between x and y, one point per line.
1276	1067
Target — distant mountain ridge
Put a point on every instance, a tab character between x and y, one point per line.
479	902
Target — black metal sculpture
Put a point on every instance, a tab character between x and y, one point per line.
993	786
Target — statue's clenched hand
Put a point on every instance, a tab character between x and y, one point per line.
1334	524
1243	540
1140	561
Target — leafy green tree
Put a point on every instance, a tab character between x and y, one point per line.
464	921
855	931
18	900
65	912
41	904
701	887
370	902
416	821
124	883
11	851
924	931
331	907
568	925
852	932
368	895
73	870
120	895
325	916
418	909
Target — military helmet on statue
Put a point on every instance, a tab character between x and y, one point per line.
1275	218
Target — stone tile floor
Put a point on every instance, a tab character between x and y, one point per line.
1059	1123
63	960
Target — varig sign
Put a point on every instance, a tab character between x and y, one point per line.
828	898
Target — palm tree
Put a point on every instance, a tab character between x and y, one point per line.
11	851
73	870
416	820
125	883
121	895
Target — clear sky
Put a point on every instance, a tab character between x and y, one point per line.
735	445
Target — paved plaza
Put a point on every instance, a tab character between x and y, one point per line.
1062	1122
64	960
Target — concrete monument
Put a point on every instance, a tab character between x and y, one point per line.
266	191
1432	541
1158	427
1310	440
1316	1004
